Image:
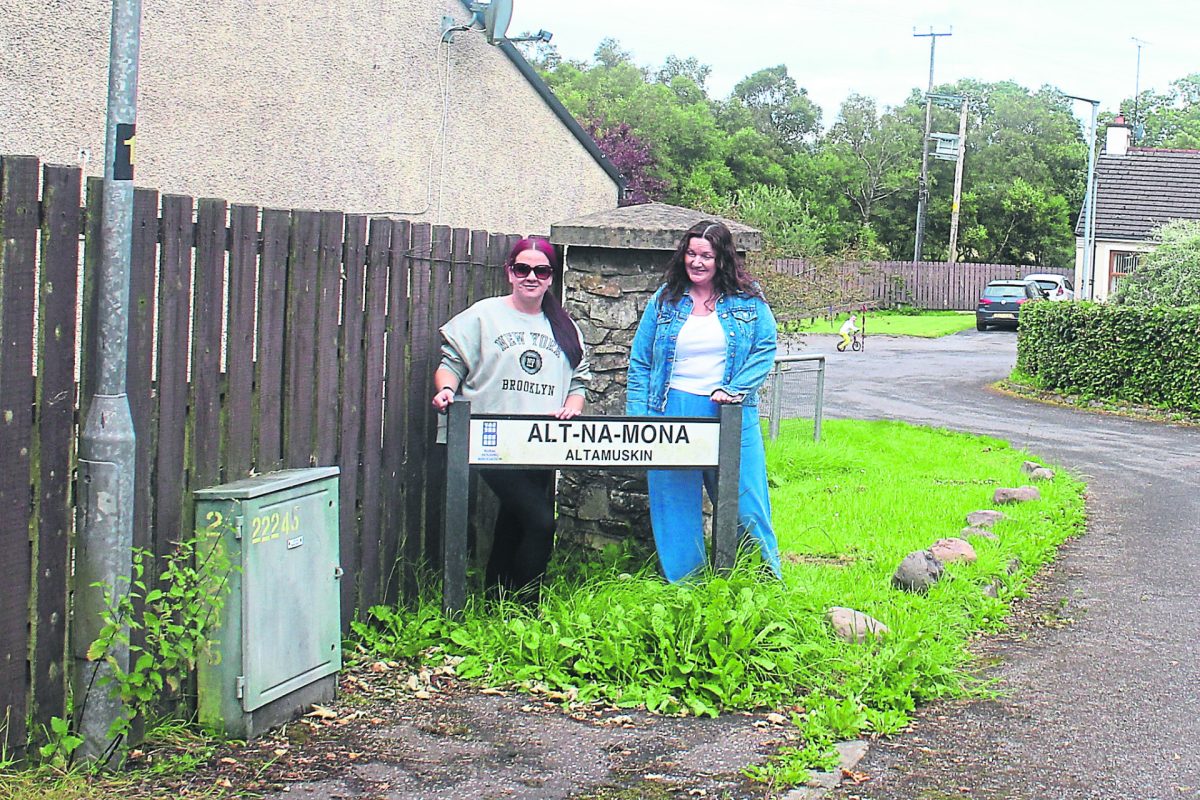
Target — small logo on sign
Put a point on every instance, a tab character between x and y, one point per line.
295	542
531	362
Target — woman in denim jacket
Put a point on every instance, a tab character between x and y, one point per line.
706	338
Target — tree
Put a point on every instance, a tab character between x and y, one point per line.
789	229
1171	119
694	160
632	158
542	55
675	67
779	108
1169	276
873	155
1023	178
609	53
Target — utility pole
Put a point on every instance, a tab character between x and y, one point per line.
104	488
923	186
958	173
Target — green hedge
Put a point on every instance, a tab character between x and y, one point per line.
1149	356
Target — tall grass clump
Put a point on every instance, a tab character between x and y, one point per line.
847	510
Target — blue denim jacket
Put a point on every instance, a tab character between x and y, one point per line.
749	353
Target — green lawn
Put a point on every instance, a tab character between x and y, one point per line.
929	324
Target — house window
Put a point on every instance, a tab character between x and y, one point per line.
1120	264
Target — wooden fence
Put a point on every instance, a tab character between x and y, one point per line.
258	340
934	285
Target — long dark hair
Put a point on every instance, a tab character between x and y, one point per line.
560	321
730	277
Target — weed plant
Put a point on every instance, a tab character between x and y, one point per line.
847	511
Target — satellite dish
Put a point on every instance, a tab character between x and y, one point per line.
496	16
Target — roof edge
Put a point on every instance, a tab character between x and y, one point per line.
526	69
1189	150
565	116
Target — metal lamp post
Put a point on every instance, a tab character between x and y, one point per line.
104	516
1087	276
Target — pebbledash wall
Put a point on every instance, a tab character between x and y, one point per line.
615	261
355	105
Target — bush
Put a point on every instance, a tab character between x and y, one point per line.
1147	355
1169	276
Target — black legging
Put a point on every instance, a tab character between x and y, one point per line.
524	534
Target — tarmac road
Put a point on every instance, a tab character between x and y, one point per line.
1108	705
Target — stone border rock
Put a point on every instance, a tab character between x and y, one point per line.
821	783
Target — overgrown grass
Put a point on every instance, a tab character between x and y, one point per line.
46	783
928	324
171	748
847	511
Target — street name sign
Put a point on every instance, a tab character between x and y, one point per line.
649	442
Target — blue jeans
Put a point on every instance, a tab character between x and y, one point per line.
675	500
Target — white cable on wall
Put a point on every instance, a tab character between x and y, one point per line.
434	146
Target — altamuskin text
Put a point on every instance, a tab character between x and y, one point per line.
628	433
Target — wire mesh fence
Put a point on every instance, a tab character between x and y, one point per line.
794	389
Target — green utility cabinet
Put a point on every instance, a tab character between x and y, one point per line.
277	644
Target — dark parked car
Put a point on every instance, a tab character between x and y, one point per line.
1002	300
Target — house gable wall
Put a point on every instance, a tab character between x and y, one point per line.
318	105
1103	266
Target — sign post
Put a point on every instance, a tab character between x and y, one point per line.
508	441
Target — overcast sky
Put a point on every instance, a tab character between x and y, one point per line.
836	47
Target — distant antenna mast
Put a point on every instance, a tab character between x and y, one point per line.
1137	85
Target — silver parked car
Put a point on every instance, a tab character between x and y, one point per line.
1056	287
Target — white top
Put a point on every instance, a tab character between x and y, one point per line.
699	356
848	327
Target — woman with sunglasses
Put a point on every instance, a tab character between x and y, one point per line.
517	354
707	338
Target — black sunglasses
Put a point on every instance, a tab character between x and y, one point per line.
523	270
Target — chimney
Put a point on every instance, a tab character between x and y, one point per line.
1116	139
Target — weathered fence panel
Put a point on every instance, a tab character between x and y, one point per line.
932	285
300	340
140	364
171	386
420	363
329	284
54	439
204	432
238	428
18	246
374	496
269	350
403	404
350	443
257	340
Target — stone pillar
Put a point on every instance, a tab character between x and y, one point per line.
614	263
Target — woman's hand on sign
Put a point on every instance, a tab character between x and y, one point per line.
443	399
724	398
572	408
